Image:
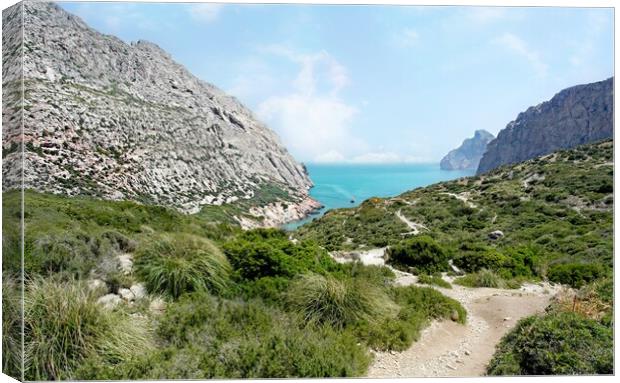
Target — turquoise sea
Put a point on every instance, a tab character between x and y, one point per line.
337	186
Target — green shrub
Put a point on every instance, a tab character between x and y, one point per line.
372	274
64	325
421	253
426	279
173	264
268	253
555	344
426	303
206	337
327	300
576	274
392	333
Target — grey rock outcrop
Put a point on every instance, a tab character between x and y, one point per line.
575	116
468	155
125	121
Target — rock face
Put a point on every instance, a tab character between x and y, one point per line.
468	155
125	121
573	117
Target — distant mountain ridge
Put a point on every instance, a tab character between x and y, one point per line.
468	155
575	116
125	121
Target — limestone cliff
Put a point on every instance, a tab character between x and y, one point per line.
575	116
467	156
125	121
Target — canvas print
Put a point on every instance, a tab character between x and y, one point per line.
230	191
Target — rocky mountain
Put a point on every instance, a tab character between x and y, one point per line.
575	116
467	156
125	121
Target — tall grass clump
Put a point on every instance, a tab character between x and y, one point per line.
64	325
436	280
483	278
338	302
11	327
177	263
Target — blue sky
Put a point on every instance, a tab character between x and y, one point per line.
374	83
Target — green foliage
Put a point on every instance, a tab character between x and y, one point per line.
327	300
576	274
418	306
555	344
268	253
422	253
483	278
436	280
426	302
206	337
174	264
64	325
11	327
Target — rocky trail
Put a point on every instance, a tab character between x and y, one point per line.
447	348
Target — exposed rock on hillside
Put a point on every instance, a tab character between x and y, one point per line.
468	155
125	121
573	117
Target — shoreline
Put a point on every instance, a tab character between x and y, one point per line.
281	213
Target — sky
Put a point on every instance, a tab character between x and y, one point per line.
374	84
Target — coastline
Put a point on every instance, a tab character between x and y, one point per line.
279	213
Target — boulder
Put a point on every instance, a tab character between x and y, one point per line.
109	301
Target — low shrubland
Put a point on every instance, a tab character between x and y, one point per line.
562	343
237	303
64	325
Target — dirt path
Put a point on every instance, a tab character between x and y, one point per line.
415	227
446	348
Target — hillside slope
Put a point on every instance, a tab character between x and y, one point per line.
558	208
125	121
575	116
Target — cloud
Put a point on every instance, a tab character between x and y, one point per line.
206	13
406	37
596	23
519	47
311	117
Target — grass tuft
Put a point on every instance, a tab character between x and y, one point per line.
325	299
174	264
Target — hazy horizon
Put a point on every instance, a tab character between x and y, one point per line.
374	84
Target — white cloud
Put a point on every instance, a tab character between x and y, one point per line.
330	157
312	119
406	37
516	45
206	12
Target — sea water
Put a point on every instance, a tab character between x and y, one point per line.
348	185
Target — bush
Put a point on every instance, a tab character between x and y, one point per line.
64	325
206	337
173	264
483	278
327	300
426	303
555	344
436	280
268	253
576	274
421	253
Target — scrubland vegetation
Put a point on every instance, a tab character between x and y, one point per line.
549	218
235	304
